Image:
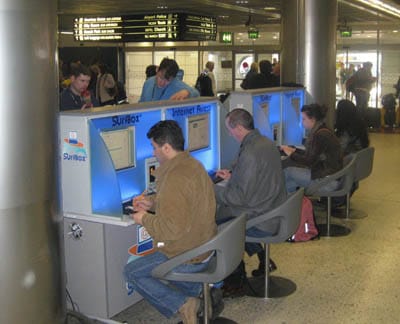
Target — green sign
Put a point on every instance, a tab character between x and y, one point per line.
226	37
253	34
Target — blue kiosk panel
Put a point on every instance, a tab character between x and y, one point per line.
292	129
118	170
199	123
267	114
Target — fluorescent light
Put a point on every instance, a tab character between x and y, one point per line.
380	5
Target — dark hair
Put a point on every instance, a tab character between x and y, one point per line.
151	70
170	67
241	117
77	69
348	119
316	111
167	131
265	67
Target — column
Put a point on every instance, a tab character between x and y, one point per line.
31	284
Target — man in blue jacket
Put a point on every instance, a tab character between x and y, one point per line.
165	85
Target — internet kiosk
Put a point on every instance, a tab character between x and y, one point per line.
106	159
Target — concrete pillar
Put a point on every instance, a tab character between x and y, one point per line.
32	290
309	42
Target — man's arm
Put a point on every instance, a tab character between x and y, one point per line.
184	91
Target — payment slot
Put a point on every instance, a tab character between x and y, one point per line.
267	115
292	129
200	125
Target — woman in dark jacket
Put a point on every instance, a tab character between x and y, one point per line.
322	155
350	127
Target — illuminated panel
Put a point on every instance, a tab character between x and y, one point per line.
146	27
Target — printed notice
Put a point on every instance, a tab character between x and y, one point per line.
198	132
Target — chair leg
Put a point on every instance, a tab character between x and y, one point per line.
266	277
270	286
207	301
348	206
329	229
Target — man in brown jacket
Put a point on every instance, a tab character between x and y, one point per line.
180	217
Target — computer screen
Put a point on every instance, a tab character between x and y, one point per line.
120	145
198	128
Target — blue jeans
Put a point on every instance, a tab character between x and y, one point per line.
253	248
166	297
301	177
296	177
250	247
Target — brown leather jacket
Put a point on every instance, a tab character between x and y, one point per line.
184	207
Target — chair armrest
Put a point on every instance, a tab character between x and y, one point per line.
163	269
215	244
314	187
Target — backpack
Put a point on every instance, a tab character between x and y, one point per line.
307	229
204	85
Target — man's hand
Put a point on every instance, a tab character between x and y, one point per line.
142	203
224	174
180	95
137	217
287	149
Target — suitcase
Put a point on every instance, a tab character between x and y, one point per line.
373	117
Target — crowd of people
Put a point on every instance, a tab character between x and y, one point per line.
187	206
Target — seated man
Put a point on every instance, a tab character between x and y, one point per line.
77	95
165	85
255	185
184	218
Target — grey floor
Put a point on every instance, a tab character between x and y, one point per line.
352	279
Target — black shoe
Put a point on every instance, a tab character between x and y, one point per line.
216	304
233	291
261	269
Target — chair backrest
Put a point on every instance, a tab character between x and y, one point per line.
364	163
228	245
288	213
345	176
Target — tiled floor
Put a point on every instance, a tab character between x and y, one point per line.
352	279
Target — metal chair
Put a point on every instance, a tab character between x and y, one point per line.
345	178
364	164
228	247
288	214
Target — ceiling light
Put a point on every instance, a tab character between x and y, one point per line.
380	5
269	8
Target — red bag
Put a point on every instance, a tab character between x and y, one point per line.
307	229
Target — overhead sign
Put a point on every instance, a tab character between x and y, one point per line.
226	37
146	27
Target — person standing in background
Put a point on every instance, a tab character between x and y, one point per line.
209	71
106	87
165	85
77	95
362	85
253	71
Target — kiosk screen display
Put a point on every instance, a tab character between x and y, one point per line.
198	127
120	145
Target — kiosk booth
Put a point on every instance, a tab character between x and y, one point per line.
106	159
276	113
